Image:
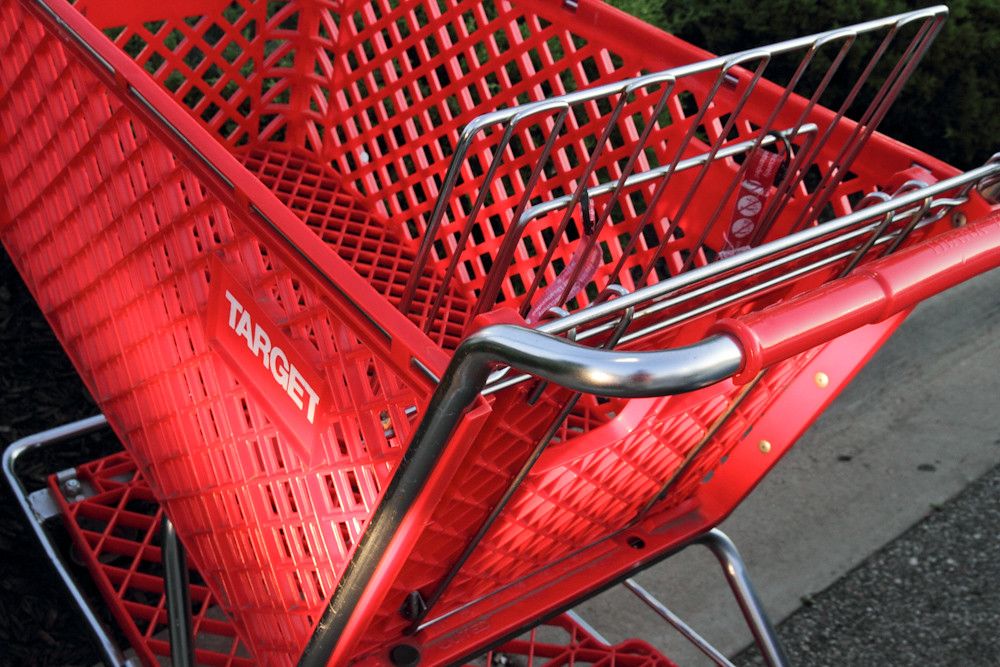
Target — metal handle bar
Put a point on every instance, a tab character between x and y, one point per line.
868	295
740	349
386	542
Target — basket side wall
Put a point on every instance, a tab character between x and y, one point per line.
125	249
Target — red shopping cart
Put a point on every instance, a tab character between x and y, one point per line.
423	320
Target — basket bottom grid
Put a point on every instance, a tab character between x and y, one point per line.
360	236
115	529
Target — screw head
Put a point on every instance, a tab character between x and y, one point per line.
72	486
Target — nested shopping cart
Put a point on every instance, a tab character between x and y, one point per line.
422	321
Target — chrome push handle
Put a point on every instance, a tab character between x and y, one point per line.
740	349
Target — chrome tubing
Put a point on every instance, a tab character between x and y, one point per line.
110	652
678	624
739	581
619	374
178	593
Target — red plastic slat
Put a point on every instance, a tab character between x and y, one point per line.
871	294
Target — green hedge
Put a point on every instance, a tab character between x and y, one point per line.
951	106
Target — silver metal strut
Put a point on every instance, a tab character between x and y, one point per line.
613	373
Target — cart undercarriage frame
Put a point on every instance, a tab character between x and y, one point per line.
45	505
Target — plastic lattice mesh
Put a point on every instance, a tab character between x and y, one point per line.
374	249
375	96
413	73
208	57
381	91
563	641
116	531
341	119
122	252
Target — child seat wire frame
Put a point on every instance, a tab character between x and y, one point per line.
646	134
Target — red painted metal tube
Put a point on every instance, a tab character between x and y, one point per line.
870	294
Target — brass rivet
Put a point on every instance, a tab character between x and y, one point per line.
764	446
822	380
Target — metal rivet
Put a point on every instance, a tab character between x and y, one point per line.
764	446
958	219
72	486
822	380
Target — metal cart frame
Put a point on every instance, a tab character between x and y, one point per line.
39	508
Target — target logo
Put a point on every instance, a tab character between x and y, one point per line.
265	359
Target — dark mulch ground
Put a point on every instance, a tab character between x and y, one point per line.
39	389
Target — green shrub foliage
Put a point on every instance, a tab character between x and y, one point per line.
951	106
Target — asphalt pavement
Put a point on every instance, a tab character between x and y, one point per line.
930	597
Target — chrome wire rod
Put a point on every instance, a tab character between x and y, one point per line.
576	367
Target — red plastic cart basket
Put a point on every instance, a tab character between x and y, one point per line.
345	278
116	525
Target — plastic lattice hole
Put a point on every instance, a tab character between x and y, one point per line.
207	62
